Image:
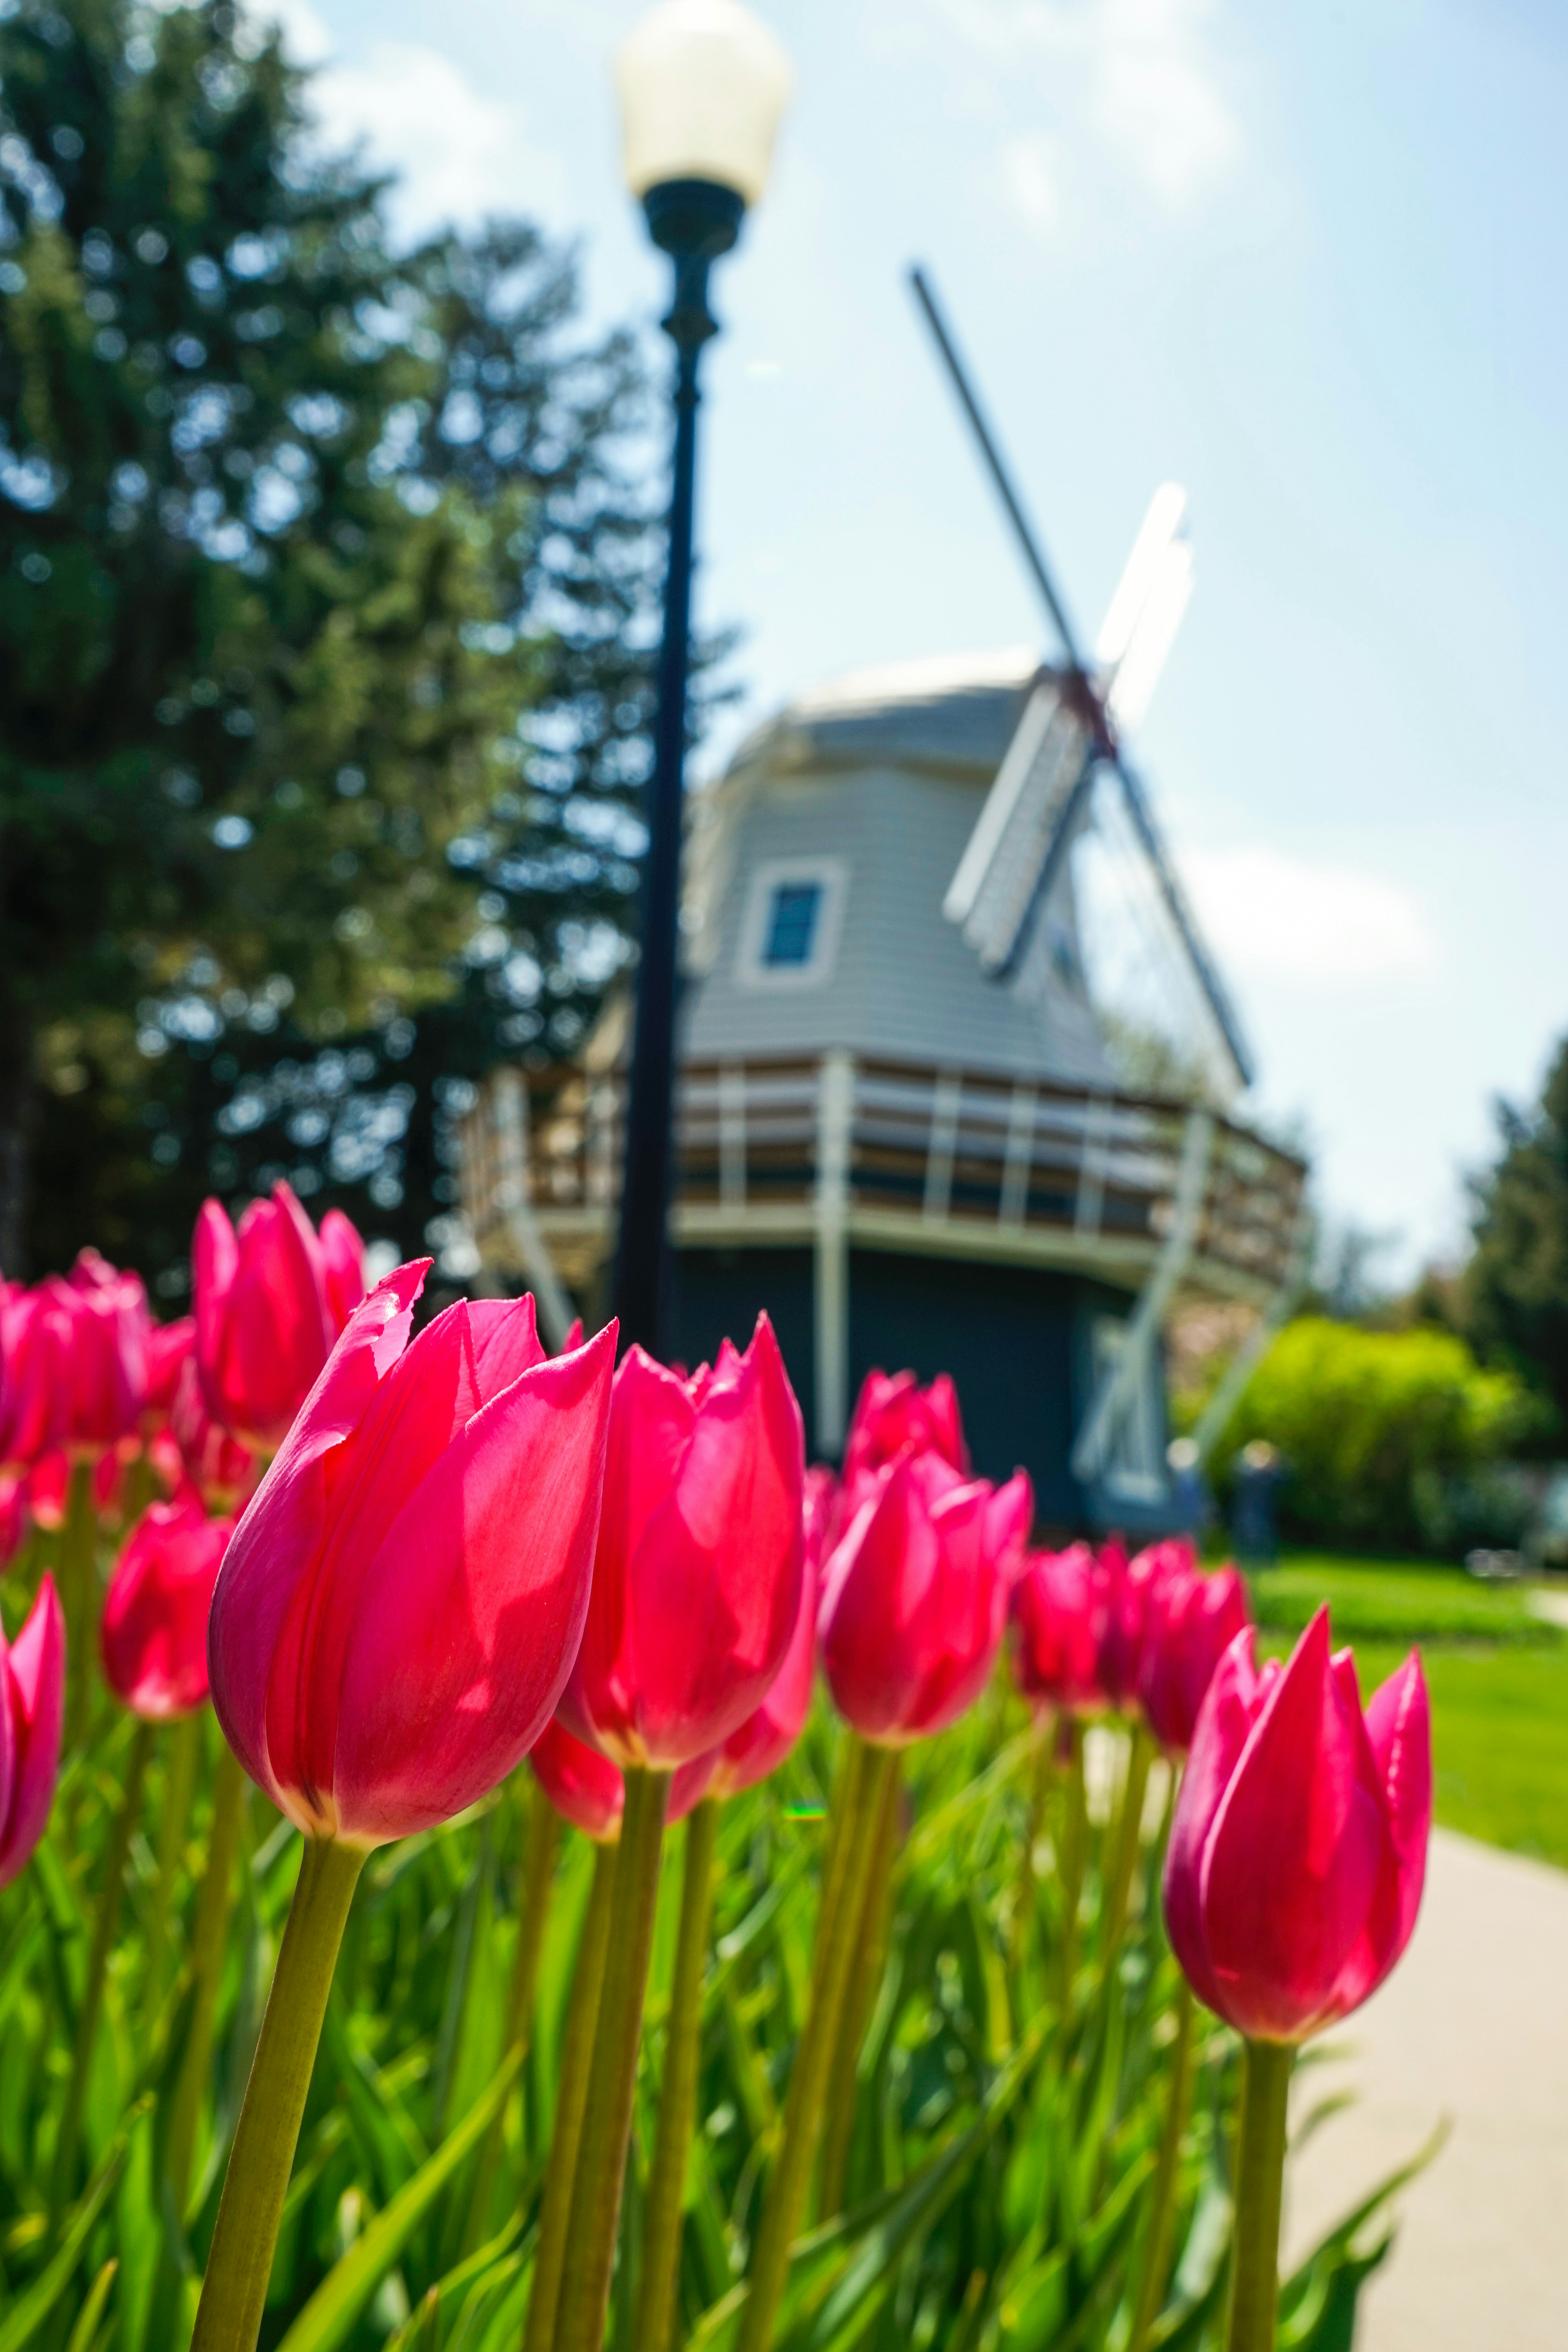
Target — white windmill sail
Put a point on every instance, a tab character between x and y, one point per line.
992	893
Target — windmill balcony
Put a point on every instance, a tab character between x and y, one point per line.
808	1159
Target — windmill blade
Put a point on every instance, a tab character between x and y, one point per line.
925	294
1143	616
993	894
1185	923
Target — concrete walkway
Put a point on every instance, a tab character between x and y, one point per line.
1473	2024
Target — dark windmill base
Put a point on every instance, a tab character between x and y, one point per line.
1021	1344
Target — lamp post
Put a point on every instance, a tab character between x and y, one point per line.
701	86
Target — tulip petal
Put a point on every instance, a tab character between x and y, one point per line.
1399	1727
275	1543
36	1676
8	1736
460	1646
712	1619
1225	1723
1299	1848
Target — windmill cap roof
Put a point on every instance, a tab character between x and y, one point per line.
949	712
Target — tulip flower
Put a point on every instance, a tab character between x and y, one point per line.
219	1467
915	1597
33	1668
154	1628
105	1365
1191	1620
765	1739
13	1515
169	1347
403	1598
393	1620
1056	1606
35	1347
271	1298
893	1413
588	1789
1292	1883
696	1598
696	1577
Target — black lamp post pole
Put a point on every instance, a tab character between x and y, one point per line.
695	221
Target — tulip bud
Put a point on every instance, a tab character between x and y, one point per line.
1191	1620
33	1671
588	1789
697	1577
154	1627
402	1600
106	1357
169	1347
915	1596
271	1298
1298	1843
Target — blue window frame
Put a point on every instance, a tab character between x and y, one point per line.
792	925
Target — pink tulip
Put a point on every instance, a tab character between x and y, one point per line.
106	1360
13	1515
1299	1845
35	1333
169	1346
589	1790
915	1596
891	1413
1057	1613
401	1603
271	1298
696	1577
218	1465
33	1671
154	1628
765	1739
1191	1620
1127	1590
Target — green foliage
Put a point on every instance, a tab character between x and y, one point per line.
1362	1418
1002	2151
1514	1299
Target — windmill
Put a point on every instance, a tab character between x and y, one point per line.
1069	740
906	1123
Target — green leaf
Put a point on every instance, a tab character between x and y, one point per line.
329	2316
91	2312
30	2310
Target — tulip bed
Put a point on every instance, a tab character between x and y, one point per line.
1002	2158
324	2026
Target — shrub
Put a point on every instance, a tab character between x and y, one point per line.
1366	1420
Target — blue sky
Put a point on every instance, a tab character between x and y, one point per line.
1310	262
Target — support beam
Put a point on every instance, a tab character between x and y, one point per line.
1092	1446
835	1125
1255	1347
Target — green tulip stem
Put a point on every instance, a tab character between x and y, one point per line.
1260	2190
1125	1845
612	2083
105	1927
1162	2205
858	1800
871	1937
209	1938
184	1754
233	2292
79	1545
1074	1850
1023	1892
535	1880
570	2099
665	2210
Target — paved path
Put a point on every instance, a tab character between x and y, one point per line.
1472	2024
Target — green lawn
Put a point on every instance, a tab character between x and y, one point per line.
1499	1680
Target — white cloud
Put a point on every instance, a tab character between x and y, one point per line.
1128	88
459	153
1291	918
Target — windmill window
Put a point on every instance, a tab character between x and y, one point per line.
791	922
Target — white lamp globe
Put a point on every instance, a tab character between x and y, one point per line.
702	84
